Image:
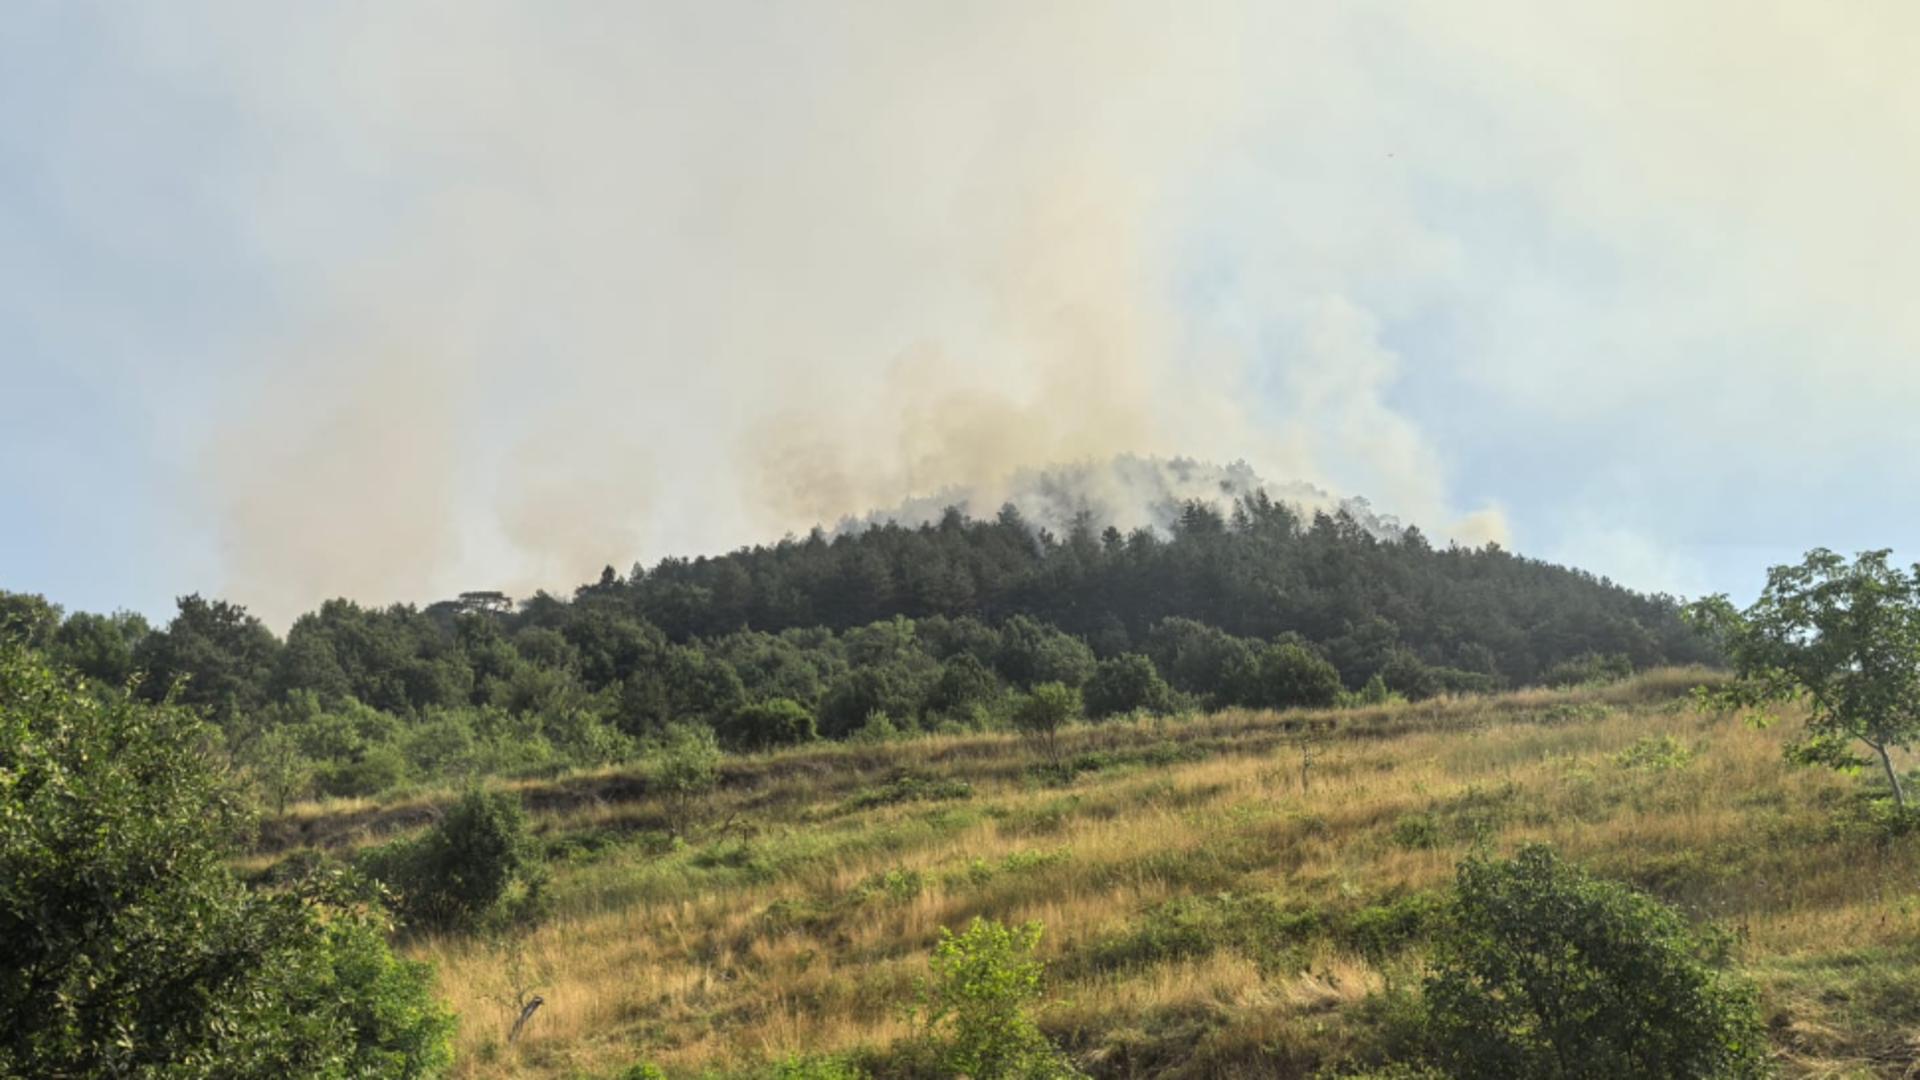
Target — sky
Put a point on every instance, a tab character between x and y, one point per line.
391	300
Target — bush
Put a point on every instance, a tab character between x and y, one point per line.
1125	684
377	768
477	866
1256	927
1380	932
1545	971
686	770
1588	669
1655	753
799	1067
878	728
1033	653
964	681
1041	714
984	981
1374	693
1286	676
128	947
767	724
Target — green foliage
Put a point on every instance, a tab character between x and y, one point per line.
100	647
213	655
908	787
810	1067
1286	676
1042	713
985	982
1545	971
1375	692
1222	608
1382	931
964	681
478	866
767	724
686	770
1417	832
1655	753
127	946
1195	657
1841	636
893	688
1257	927
1125	684
878	728
1588	669
27	620
371	770
1032	653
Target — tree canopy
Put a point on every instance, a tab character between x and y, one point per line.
1845	637
942	624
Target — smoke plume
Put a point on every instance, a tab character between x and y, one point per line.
614	283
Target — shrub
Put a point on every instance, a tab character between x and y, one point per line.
1417	832
686	770
128	947
476	866
1193	926
1033	653
1287	676
1588	669
1655	753
376	768
1410	677
984	982
1042	713
964	681
1380	932
1124	684
1545	971
895	688
807	1067
1374	693
878	728
908	787
767	724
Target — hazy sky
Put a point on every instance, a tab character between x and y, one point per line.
395	299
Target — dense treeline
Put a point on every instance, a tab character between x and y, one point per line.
886	629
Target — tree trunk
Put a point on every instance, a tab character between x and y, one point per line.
1886	762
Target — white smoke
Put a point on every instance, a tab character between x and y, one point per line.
1128	492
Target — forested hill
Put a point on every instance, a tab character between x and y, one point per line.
942	623
1260	571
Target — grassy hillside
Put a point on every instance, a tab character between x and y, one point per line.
1223	895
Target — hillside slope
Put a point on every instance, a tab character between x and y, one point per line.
1223	895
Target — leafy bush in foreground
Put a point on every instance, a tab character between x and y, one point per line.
984	981
127	946
477	865
1546	971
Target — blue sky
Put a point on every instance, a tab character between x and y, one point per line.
391	300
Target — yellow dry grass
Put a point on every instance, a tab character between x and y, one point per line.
805	926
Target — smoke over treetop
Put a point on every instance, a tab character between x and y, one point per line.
1127	493
641	285
551	288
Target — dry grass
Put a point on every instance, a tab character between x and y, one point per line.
806	925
